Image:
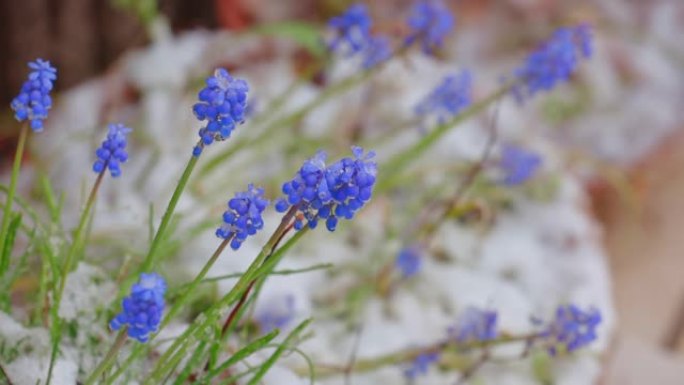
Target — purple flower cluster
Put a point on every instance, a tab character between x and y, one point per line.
553	62
409	261
142	310
351	30
243	217
330	192
222	103
278	316
34	101
518	165
448	98
112	152
475	325
430	21
352	35
421	364
571	328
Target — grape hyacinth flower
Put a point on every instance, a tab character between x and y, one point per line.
351	30
112	152
430	21
222	103
571	328
420	365
518	165
409	261
243	217
34	101
378	50
142	310
451	96
339	190
475	325
553	62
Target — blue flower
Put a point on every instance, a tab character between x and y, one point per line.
571	328
553	62
112	152
277	317
243	217
409	261
475	325
448	99
142	310
518	165
34	101
351	30
377	51
430	21
421	364
222	103
321	192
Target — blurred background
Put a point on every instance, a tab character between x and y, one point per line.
643	48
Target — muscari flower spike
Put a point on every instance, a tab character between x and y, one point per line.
112	152
222	103
278	316
571	328
409	261
243	217
421	364
351	30
321	192
451	96
553	62
475	325
377	51
518	165
143	308
34	101
430	21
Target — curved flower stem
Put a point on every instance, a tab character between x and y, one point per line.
180	302
393	167
149	261
68	263
16	167
109	359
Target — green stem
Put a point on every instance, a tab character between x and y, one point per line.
16	166
148	262
109	359
400	161
68	262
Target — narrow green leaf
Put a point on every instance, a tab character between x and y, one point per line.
305	34
12	230
266	366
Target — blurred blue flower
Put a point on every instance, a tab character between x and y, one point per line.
409	261
34	101
377	51
142	310
553	62
430	21
222	103
421	364
475	325
278	316
451	96
243	217
518	164
571	328
321	192
351	30
112	152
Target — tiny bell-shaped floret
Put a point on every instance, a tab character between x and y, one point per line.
143	308
112	152
243	217
34	101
